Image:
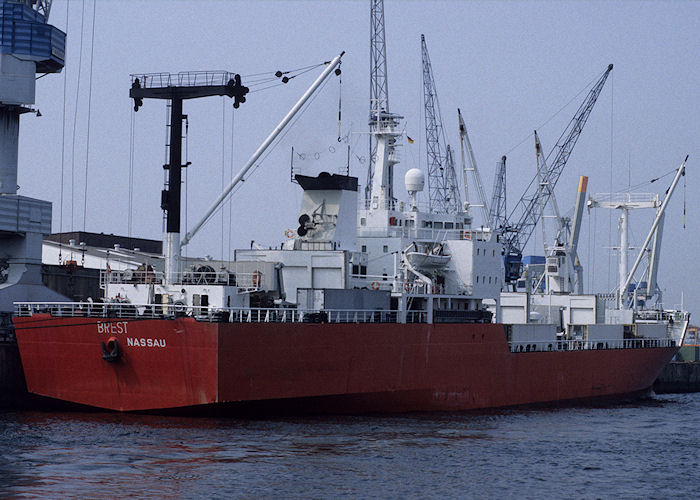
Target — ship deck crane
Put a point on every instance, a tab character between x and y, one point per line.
177	88
474	170
547	192
625	202
527	211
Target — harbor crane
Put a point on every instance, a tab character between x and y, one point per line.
442	181
497	209
525	215
30	48
564	271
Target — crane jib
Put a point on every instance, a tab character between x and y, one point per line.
528	206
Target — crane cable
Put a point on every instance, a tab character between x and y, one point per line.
223	171
230	204
75	121
63	147
684	185
132	133
272	147
187	170
588	86
280	76
87	143
340	107
610	214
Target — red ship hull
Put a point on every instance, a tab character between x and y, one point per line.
331	368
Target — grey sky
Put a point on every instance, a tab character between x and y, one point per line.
510	66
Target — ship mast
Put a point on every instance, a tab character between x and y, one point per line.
378	87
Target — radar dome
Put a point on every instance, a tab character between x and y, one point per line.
414	180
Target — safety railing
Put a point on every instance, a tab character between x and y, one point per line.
201	313
381	282
248	281
628	197
590	345
424	233
183	79
661	315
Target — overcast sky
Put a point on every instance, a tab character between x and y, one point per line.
510	66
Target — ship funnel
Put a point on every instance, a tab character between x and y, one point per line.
328	215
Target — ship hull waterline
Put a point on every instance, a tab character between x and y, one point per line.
320	368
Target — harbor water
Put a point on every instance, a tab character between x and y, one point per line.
647	449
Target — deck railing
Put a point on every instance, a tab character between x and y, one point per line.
240	315
247	281
277	315
587	345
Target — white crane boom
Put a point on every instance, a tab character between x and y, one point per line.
464	141
652	231
273	135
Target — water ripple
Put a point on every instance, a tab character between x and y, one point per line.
648	449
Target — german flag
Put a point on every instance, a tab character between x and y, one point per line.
410	141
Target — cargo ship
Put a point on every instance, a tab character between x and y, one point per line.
384	306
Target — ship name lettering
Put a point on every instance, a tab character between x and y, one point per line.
112	328
143	342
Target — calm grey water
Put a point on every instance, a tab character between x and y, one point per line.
638	450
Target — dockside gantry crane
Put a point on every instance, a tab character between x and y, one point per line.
442	180
527	211
497	208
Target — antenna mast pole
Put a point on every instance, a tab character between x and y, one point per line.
378	85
